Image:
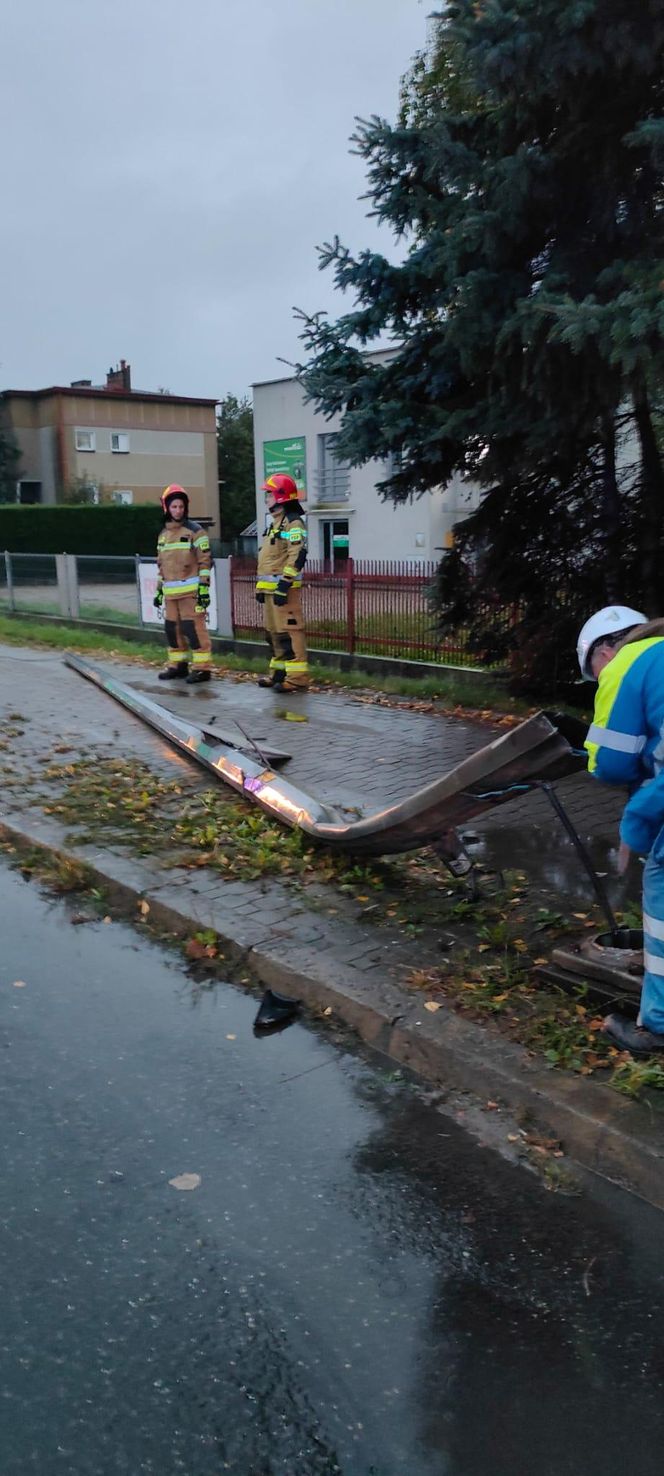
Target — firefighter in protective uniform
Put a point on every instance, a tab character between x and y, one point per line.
183	588
281	560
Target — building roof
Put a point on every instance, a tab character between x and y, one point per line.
289	378
102	393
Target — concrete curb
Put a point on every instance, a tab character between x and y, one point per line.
620	1140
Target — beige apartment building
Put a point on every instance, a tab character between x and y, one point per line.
129	443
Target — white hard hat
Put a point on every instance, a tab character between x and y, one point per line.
610	621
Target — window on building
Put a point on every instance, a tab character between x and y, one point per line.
122	499
119	441
85	440
332	477
29	492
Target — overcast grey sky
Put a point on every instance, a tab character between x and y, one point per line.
169	167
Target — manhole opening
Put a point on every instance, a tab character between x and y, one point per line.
630	939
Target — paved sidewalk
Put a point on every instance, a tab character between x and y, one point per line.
350	752
321	944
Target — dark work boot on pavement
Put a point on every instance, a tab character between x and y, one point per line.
632	1037
171	673
272	683
198	676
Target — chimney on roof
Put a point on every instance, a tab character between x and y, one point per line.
120	377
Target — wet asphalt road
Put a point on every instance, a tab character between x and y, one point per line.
355	1285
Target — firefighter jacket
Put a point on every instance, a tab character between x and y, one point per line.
283	553
625	742
183	558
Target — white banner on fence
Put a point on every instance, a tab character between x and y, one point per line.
147	588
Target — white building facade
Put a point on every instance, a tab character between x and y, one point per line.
346	515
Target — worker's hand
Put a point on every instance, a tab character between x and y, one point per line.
158	599
260	597
282	592
203	598
624	856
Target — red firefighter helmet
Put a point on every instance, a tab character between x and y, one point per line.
281	488
174	490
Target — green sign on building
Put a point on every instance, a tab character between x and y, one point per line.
289	457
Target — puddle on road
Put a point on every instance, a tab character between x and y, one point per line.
550	862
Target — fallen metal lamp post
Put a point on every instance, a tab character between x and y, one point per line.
541	748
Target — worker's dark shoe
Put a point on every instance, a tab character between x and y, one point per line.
292	691
269	682
632	1037
171	673
198	676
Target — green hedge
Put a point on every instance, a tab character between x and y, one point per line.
79	530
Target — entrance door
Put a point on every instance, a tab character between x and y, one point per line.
336	543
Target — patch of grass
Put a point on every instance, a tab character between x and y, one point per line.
125	802
60	874
633	1078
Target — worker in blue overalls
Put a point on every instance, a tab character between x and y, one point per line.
624	653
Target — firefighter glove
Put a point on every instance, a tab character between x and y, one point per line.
203	598
159	598
282	592
260	597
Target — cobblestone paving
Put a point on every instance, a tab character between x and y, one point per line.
348	752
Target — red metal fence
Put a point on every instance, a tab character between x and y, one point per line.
366	605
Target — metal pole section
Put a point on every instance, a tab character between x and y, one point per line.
597	883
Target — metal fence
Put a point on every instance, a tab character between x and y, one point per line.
107	588
30	584
372	607
379	608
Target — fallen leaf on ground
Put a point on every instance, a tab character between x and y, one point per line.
185	1181
107	919
80	917
144	907
430	1004
231	1037
20	984
197	950
328	1011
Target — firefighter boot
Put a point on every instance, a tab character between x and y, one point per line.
202	675
172	672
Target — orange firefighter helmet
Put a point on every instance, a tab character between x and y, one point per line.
281	488
174	490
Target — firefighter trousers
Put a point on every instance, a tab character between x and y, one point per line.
284	633
186	631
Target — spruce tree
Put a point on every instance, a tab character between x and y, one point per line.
235	453
524	177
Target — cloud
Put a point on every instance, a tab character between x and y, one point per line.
172	168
